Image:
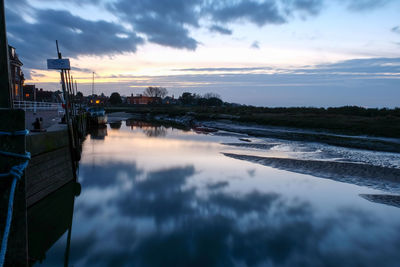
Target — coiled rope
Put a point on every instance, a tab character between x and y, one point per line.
16	173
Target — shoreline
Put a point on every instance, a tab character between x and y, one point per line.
189	120
349	121
382	178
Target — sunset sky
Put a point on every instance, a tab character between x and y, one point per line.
265	53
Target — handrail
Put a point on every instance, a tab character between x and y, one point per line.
33	106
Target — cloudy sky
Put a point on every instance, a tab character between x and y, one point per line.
258	52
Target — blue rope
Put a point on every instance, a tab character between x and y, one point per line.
16	172
15	133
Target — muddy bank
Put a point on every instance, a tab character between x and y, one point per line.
390	200
292	134
376	177
360	142
250	145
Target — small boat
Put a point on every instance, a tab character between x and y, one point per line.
97	116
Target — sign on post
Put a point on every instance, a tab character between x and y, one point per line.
58	64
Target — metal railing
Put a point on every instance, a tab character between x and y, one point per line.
34	106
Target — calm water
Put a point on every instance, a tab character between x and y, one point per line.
157	196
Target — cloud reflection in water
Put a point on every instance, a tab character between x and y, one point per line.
219	228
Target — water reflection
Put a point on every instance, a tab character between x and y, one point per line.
155	131
115	125
170	224
138	124
183	203
98	133
48	220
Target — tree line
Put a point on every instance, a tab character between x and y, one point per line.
213	99
187	98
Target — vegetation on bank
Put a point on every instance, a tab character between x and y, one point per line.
343	120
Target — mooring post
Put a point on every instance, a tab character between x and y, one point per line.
67	113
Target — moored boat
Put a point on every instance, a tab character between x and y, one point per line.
97	115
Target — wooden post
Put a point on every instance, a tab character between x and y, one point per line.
5	78
67	114
17	252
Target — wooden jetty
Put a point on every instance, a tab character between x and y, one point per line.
41	207
51	169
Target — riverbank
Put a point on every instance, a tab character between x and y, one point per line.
344	120
233	123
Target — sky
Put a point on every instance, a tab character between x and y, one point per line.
316	53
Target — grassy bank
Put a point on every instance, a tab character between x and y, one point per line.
345	120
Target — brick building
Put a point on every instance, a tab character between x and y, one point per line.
17	76
142	100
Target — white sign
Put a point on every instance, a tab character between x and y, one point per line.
58	64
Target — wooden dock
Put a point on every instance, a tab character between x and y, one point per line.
50	173
51	168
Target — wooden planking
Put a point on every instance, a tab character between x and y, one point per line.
39	143
48	172
13	120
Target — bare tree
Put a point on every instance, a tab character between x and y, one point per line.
155	91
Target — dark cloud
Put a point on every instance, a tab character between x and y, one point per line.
82	69
16	4
396	29
224	69
304	7
240	205
167	33
220	29
106	173
164	24
359	66
217	185
351	67
255	45
160	194
36	41
167	24
364	5
260	13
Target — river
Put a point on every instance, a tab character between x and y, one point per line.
159	196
